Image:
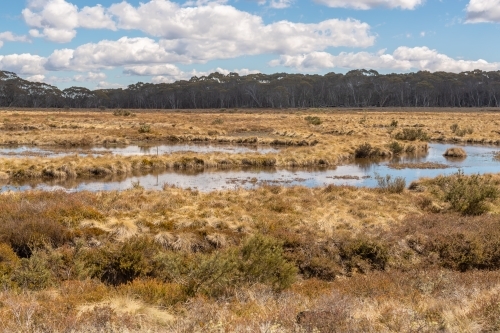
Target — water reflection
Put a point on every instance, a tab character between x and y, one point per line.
29	151
480	160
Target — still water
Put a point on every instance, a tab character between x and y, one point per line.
29	151
480	159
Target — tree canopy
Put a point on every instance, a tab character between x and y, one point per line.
357	88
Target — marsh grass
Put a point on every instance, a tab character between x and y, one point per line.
337	258
390	184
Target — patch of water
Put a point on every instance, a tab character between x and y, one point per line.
29	151
480	160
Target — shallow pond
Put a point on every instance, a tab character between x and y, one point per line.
480	159
30	151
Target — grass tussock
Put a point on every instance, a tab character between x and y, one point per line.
456	152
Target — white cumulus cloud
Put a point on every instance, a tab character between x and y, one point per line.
90	77
403	59
479	11
57	20
145	70
370	4
202	31
110	54
8	36
23	63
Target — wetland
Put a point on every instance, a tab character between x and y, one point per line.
250	220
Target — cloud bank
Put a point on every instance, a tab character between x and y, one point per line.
402	59
479	11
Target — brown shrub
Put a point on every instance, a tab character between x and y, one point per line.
39	219
453	241
122	263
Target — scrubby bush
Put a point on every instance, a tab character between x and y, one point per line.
121	112
363	151
8	263
25	234
118	264
217	121
461	131
259	260
468	195
456	242
262	261
363	254
33	273
144	128
396	148
313	120
391	185
412	134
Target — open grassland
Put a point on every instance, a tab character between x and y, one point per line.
272	259
309	137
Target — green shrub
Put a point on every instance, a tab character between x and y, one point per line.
461	131
468	195
33	273
120	264
396	148
144	128
121	112
259	260
313	120
217	121
388	184
412	134
262	261
363	151
394	123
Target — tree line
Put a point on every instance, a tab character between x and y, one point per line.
357	88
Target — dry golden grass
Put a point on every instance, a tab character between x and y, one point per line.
414	290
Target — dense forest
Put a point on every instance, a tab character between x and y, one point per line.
357	88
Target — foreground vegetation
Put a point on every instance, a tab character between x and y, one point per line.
272	259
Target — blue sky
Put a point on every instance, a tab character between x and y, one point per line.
114	43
